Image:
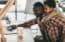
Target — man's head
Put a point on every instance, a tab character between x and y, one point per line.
49	6
38	9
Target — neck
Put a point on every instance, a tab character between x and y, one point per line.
39	15
50	12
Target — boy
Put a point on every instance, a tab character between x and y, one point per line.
53	23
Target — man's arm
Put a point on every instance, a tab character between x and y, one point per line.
25	25
28	24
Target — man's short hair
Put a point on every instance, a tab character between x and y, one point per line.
38	4
50	3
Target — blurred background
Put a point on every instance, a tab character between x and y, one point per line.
20	12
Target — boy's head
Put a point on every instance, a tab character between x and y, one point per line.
49	6
38	9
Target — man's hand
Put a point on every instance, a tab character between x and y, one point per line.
12	27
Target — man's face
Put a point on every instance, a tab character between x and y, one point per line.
47	9
38	11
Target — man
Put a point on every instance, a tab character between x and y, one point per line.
38	12
53	23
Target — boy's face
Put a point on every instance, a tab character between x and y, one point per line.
38	11
47	9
